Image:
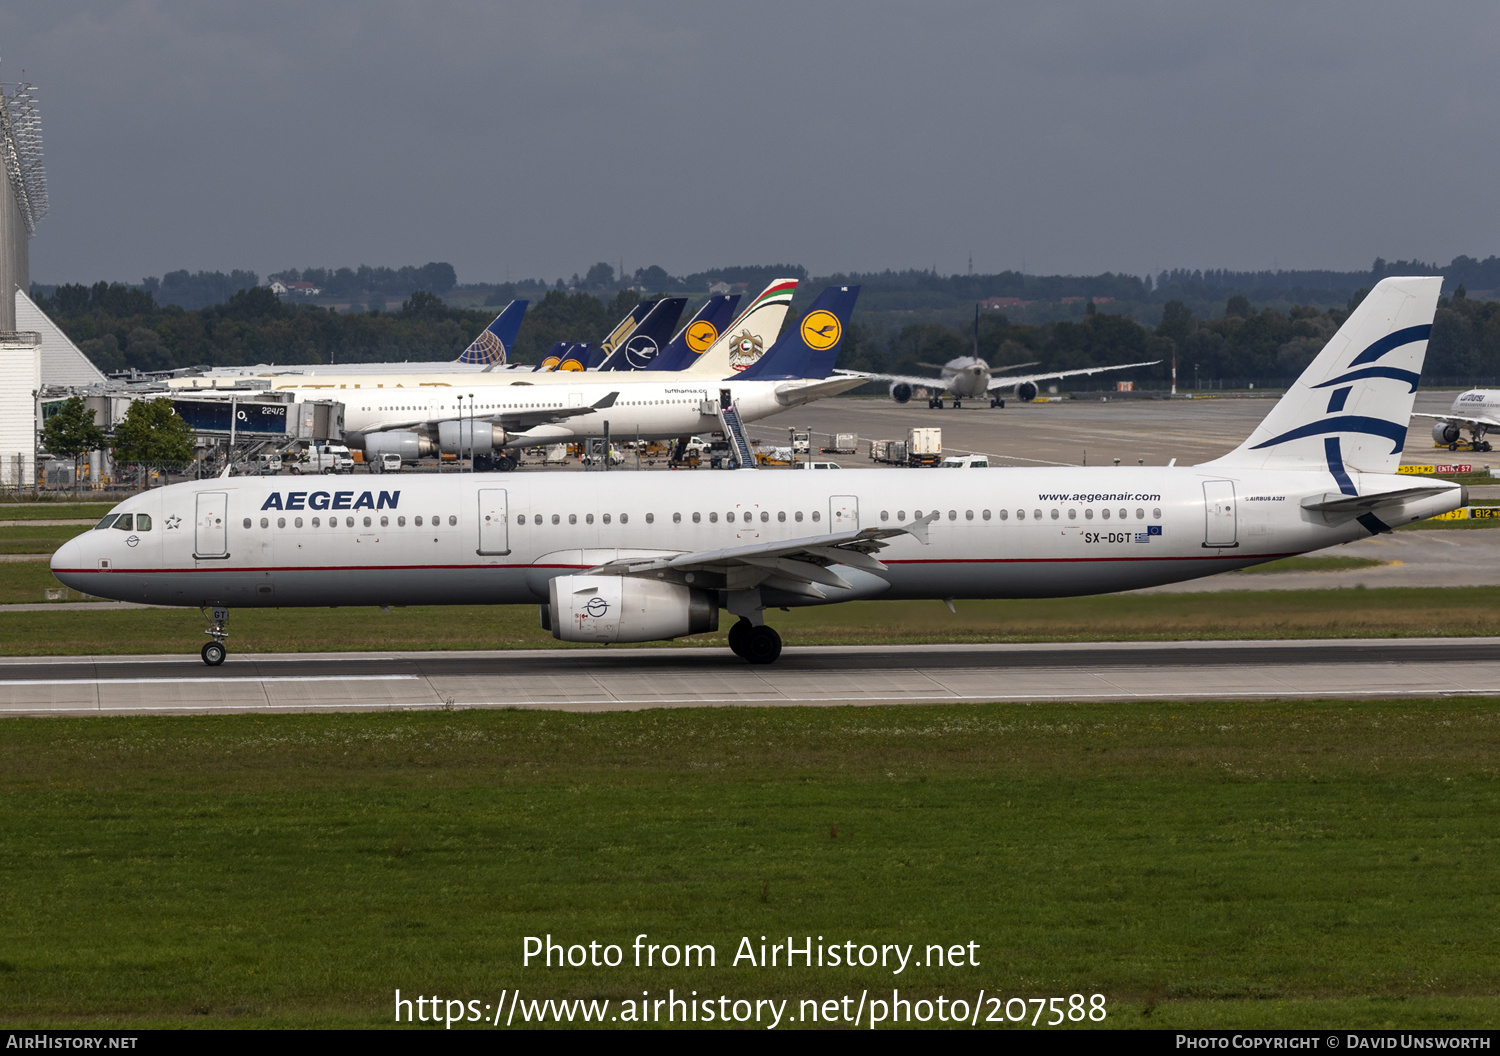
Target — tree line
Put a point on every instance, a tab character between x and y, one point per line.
121	328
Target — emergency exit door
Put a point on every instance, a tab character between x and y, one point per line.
494	522
1221	527
843	513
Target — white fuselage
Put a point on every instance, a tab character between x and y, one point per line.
967	377
500	538
671	407
1478	403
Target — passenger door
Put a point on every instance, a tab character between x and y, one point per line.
494	522
210	532
1221	524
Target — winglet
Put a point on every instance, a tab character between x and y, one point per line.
607	402
918	527
227	467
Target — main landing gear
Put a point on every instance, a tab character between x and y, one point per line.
214	652
758	645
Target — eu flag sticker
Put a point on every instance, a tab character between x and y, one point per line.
1153	529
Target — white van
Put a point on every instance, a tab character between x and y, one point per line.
816	465
390	462
965	462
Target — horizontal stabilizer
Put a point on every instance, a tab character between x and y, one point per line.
1334	503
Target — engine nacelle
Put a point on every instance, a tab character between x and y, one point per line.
1445	433
623	609
466	435
410	446
900	392
1026	392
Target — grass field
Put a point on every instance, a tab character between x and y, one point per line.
1326	864
1315	564
54	511
37	539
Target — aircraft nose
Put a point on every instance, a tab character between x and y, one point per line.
68	562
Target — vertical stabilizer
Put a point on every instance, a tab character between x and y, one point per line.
492	346
1350	408
809	349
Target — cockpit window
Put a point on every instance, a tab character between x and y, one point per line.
108	520
126	522
143	522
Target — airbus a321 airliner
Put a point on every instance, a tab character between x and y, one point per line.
637	557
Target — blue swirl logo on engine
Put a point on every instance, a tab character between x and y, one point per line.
596	607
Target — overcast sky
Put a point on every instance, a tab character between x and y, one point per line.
515	140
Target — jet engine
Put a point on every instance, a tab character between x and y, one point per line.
623	609
1445	433
410	446
1026	392
900	392
465	436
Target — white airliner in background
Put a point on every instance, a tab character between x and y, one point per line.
1477	410
635	557
970	378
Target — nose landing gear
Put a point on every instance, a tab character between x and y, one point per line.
214	652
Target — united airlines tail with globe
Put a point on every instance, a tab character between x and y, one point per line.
633	557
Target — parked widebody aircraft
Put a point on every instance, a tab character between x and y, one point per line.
1477	410
634	557
491	420
970	378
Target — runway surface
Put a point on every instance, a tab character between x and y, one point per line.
622	679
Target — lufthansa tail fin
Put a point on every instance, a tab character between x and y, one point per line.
649	336
702	330
552	358
809	349
492	346
1350	408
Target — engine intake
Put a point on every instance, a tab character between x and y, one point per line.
1026	392
623	609
901	392
1445	433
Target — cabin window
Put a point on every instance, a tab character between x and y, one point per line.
765	516
400	522
729	516
606	518
900	515
1156	514
348	522
697	517
797	516
588	518
556	519
624	518
1124	514
108	520
650	518
1020	515
885	515
367	522
1104	513
952	515
520	519
281	522
1038	514
968	515
452	520
1140	514
297	522
1004	514
248	523
417	521
385	522
676	518
572	518
317	522
986	514
817	516
713	518
1055	514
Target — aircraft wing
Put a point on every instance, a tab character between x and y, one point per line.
521	420
798	566
1489	423
1022	379
909	380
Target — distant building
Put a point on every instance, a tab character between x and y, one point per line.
1003	302
299	289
